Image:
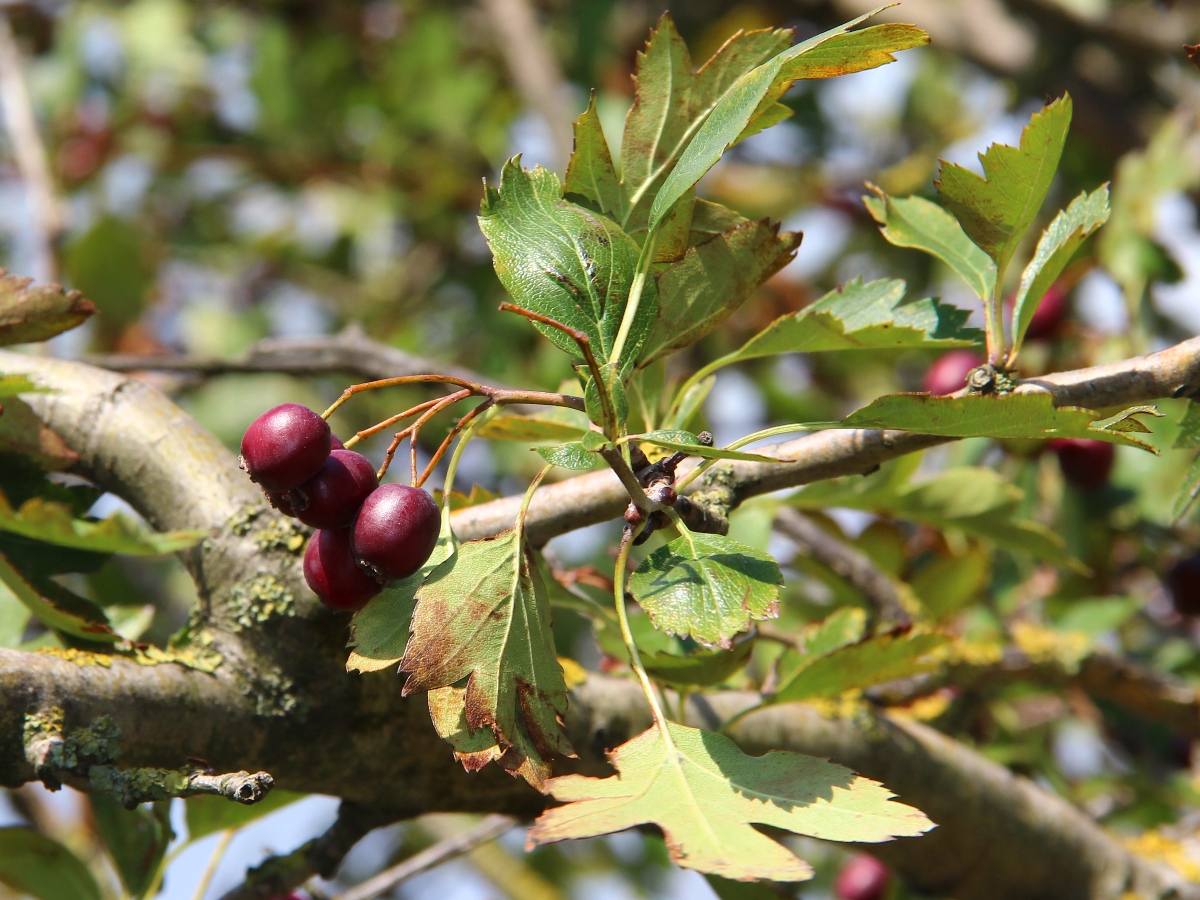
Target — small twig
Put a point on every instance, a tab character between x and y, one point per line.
30	151
534	71
277	875
449	439
886	610
443	851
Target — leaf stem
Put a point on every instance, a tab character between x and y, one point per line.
635	659
533	486
635	297
211	869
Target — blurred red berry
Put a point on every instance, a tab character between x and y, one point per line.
1183	581
1084	463
949	372
862	878
1051	314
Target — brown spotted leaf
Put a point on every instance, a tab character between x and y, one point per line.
30	312
483	622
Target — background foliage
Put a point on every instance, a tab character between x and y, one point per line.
229	173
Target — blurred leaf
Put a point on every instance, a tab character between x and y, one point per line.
996	210
108	264
569	456
1097	615
858	316
611	377
673	660
1031	415
563	261
136	839
948	584
483	616
1189	427
857	666
1188	490
14	617
33	864
691	401
707	587
54	524
835	52
529	429
58	608
976	501
23	432
711	281
687	780
31	312
591	174
837	630
210	813
916	222
1057	245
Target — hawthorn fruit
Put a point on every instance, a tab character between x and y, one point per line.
332	573
1183	581
1085	463
862	878
285	446
396	531
950	370
332	497
1050	315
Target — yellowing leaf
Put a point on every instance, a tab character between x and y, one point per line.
706	795
30	312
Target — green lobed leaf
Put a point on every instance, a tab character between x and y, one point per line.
569	456
611	376
858	316
835	52
136	839
563	261
707	587
530	429
379	631
30	312
712	280
837	630
672	660
1058	244
916	222
997	209
1016	415
690	780
591	175
209	813
37	866
483	616
54	523
860	665
56	607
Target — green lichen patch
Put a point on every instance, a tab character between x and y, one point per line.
278	533
134	786
79	657
241	521
274	694
97	742
45	723
193	656
262	598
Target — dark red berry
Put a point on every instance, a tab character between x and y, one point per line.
949	371
396	530
862	878
335	443
1084	463
331	498
1050	316
1183	580
284	501
331	572
285	446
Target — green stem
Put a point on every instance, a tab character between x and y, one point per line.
533	486
452	466
994	322
211	869
635	659
635	297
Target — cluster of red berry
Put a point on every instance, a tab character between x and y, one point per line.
367	533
